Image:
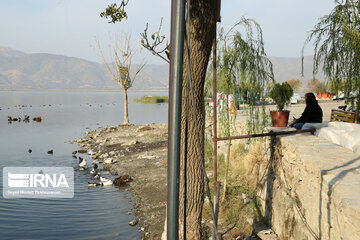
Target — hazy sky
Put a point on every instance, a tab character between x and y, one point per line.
69	27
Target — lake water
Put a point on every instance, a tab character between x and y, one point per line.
93	213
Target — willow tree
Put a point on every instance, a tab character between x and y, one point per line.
337	44
241	61
119	66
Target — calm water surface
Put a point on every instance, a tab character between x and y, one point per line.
93	213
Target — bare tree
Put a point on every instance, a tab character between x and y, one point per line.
119	67
315	85
295	84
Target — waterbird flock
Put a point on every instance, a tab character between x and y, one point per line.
94	171
83	166
82	161
26	119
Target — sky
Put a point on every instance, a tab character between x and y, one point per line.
70	27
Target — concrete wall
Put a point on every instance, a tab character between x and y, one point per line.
313	190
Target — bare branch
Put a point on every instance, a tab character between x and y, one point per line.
101	55
141	66
157	40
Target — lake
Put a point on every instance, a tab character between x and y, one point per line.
93	213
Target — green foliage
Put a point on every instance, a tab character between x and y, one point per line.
221	159
281	93
242	62
335	86
116	13
253	121
265	116
153	99
234	210
337	44
208	153
208	90
206	232
241	59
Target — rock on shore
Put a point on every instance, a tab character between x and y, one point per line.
138	155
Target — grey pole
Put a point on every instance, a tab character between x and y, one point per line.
176	73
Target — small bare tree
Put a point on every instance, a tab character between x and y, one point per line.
295	84
120	64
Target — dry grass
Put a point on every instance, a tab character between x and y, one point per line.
243	176
246	167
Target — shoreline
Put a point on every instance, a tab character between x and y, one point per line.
82	90
139	151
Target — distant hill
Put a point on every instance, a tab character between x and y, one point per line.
290	68
42	71
8	52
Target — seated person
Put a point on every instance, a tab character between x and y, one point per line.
312	113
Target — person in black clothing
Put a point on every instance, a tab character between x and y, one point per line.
312	113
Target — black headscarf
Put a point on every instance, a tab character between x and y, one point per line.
310	98
313	112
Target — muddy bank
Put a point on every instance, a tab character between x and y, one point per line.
141	152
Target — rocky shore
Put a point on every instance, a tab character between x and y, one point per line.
139	151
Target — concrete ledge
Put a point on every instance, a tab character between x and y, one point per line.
315	190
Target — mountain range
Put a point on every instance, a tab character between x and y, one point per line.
42	71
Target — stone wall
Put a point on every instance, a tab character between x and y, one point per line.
313	189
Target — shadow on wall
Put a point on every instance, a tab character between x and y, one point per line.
331	183
265	220
270	182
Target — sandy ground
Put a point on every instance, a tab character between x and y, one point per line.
141	152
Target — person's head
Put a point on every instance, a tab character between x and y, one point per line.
310	98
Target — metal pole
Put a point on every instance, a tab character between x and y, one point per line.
311	130
216	183
176	73
216	196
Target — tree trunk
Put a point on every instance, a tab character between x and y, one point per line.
126	109
202	28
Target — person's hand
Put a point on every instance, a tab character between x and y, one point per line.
293	122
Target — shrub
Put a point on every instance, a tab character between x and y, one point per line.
281	93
